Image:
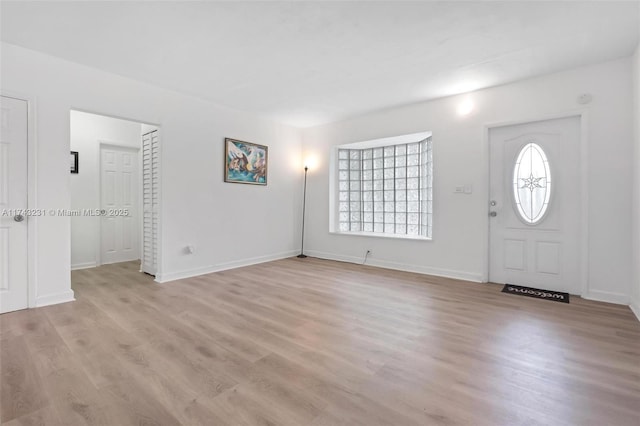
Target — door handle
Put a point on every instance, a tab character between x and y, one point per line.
493	214
18	218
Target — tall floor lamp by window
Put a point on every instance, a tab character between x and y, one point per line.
304	205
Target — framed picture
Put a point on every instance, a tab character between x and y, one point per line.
245	162
74	161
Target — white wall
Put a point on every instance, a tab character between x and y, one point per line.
87	131
460	221
635	302
225	222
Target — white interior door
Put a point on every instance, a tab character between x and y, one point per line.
14	291
150	201
119	202
535	198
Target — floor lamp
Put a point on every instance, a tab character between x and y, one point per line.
304	206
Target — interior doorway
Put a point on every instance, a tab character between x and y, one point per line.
115	172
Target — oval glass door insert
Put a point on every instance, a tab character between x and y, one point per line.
532	183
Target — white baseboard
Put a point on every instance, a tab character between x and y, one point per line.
54	299
172	276
635	308
606	296
447	273
85	265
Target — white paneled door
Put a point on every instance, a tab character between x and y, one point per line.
119	204
534	205
14	293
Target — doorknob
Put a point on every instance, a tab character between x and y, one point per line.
18	218
493	214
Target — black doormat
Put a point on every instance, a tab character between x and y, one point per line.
556	296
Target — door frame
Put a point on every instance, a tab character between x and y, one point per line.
32	228
104	143
583	115
160	175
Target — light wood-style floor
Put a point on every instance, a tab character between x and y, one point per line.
314	342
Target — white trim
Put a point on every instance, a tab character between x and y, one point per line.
32	199
583	115
389	141
54	299
85	265
635	308
334	188
172	276
606	296
159	250
425	270
381	235
584	176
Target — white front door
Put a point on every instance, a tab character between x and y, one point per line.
14	291
534	204
119	203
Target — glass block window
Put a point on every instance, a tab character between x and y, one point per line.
386	190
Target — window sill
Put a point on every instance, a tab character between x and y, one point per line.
381	235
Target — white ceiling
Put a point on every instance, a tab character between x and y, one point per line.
307	63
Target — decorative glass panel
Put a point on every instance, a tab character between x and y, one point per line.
532	183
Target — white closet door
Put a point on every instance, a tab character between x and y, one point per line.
150	192
119	200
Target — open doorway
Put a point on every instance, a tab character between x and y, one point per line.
114	191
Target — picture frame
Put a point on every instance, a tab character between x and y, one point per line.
245	162
74	162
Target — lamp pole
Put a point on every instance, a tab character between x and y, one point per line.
304	206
